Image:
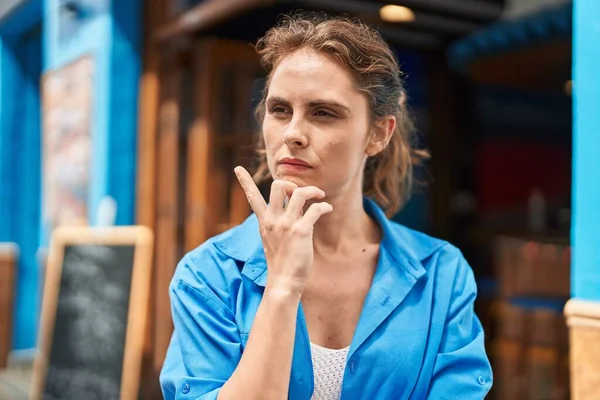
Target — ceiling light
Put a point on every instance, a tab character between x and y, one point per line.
393	13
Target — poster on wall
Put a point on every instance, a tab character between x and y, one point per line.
67	107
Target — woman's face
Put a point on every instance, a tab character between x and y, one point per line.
317	128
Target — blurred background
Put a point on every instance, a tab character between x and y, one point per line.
135	112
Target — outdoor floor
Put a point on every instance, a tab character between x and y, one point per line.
14	383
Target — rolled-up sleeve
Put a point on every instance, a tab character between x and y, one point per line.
462	369
206	345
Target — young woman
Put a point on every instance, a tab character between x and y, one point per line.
318	295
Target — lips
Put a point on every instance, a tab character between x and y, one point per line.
294	162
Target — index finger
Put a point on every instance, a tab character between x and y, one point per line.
255	199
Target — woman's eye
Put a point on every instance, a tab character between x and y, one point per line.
278	110
324	113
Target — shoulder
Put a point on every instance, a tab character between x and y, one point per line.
421	246
436	256
447	273
213	268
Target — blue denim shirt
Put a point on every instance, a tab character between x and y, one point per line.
417	337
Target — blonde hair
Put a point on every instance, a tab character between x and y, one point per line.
388	176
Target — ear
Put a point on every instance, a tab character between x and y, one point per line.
381	134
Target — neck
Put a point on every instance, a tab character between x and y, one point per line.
346	225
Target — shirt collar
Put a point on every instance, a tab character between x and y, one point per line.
407	247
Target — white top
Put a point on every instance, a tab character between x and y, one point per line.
328	370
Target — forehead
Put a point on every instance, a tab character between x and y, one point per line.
306	73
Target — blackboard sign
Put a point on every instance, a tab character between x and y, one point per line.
94	311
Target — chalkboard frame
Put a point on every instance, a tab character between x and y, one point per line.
139	236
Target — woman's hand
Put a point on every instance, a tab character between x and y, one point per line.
287	232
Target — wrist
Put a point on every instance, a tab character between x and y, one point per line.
284	291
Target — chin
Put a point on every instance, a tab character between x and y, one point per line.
301	181
296	179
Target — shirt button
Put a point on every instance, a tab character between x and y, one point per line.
185	389
481	380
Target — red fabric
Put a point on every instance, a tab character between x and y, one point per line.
507	171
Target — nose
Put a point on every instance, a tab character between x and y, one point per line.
295	133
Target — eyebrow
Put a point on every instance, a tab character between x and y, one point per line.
313	103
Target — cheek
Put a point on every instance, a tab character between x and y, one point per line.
346	145
339	147
271	139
